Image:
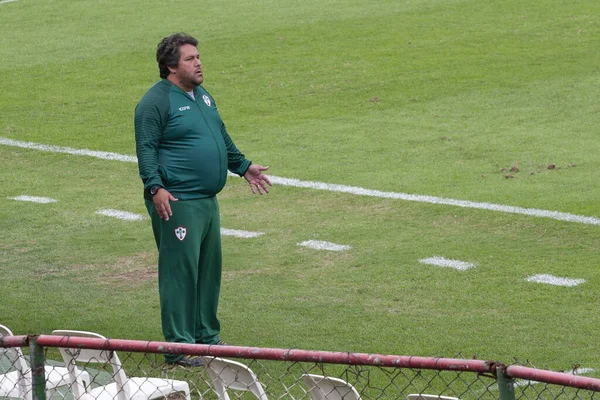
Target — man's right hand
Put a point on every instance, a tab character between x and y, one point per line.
162	200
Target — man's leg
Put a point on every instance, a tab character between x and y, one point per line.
209	278
178	241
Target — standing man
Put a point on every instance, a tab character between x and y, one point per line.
184	152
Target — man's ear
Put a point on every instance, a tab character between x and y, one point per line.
172	69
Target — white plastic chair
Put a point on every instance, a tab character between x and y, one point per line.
228	374
328	388
124	387
429	397
18	383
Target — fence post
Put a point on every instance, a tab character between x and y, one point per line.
506	385
38	372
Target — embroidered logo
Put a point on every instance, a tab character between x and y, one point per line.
184	108
180	232
206	99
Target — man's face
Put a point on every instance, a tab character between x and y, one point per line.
189	69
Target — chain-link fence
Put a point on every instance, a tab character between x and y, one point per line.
94	368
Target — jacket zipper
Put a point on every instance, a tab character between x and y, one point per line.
214	138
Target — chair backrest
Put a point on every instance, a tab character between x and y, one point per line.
429	397
16	357
15	353
72	355
228	374
328	388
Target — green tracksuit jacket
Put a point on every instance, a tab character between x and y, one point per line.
182	144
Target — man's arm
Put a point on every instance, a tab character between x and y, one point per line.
236	161
148	125
238	164
150	120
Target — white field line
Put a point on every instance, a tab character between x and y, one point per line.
239	233
124	215
34	199
7	1
534	212
129	216
319	245
444	262
68	150
554	280
557	215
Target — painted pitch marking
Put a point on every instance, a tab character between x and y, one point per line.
444	262
34	199
239	233
7	1
554	280
319	245
129	216
104	155
354	190
557	215
124	215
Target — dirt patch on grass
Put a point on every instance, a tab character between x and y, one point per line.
131	271
231	275
136	270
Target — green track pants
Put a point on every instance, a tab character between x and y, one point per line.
189	270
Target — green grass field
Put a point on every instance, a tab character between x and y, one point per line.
425	97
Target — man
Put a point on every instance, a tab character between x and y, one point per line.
184	152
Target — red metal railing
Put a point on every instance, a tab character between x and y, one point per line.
346	358
14	341
557	378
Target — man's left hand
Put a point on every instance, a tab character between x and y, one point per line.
257	180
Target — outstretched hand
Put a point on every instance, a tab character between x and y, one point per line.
257	180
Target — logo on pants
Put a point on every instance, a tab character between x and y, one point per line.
180	232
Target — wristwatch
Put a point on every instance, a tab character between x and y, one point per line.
154	189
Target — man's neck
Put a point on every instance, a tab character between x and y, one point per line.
171	78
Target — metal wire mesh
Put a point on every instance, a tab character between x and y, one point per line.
138	375
284	379
15	374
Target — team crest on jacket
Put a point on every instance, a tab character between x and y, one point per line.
180	232
206	99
